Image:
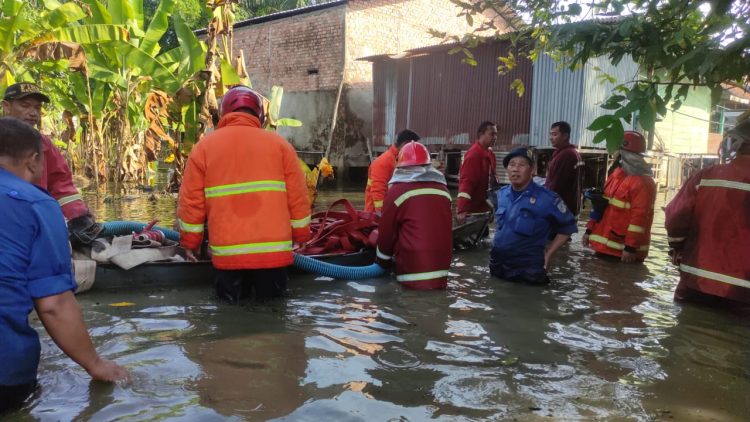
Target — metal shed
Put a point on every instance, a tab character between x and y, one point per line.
444	100
574	97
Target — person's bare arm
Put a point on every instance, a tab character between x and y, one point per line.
553	246
63	320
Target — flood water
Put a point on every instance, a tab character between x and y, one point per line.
604	341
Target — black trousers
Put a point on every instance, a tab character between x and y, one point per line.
13	396
259	285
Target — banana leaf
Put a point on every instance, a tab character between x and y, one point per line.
144	65
91	34
193	50
157	27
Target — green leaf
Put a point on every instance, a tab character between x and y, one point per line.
518	86
602	122
63	15
615	133
600	136
157	27
277	93
647	116
91	34
288	122
574	9
716	93
228	75
99	14
12	7
144	65
193	50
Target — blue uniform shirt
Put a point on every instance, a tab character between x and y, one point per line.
523	227
34	263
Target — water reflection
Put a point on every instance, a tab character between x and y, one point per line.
604	341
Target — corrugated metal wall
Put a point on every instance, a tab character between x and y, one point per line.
573	97
445	100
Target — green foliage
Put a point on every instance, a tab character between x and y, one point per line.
678	44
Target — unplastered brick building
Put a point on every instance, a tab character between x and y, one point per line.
313	52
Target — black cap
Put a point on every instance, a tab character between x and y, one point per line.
519	152
23	90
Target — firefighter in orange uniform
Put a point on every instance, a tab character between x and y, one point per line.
381	170
247	184
624	229
708	226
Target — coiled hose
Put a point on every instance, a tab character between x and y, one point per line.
305	263
120	228
327	269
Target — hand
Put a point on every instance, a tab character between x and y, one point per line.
190	255
108	371
547	258
461	218
628	257
585	241
676	256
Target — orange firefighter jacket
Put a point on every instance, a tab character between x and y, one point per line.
247	184
708	222
380	172
626	222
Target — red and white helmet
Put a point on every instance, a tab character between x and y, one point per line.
241	97
413	154
634	142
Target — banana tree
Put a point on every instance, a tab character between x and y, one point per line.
123	72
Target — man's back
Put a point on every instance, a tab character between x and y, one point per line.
710	216
34	262
247	183
564	175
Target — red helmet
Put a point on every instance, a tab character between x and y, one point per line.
413	154
242	97
634	142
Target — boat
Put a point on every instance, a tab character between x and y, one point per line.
472	231
174	274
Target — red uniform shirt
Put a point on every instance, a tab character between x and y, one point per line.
474	179
58	181
416	230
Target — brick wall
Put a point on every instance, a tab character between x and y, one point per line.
281	52
393	26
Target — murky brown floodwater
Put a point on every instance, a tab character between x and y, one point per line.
604	341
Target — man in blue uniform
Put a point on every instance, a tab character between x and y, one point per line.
35	272
526	215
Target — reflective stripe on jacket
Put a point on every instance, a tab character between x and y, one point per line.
416	231
247	183
627	219
477	168
378	175
57	179
709	221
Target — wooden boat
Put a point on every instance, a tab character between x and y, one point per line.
178	274
472	231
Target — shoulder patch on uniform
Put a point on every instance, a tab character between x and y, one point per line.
561	205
